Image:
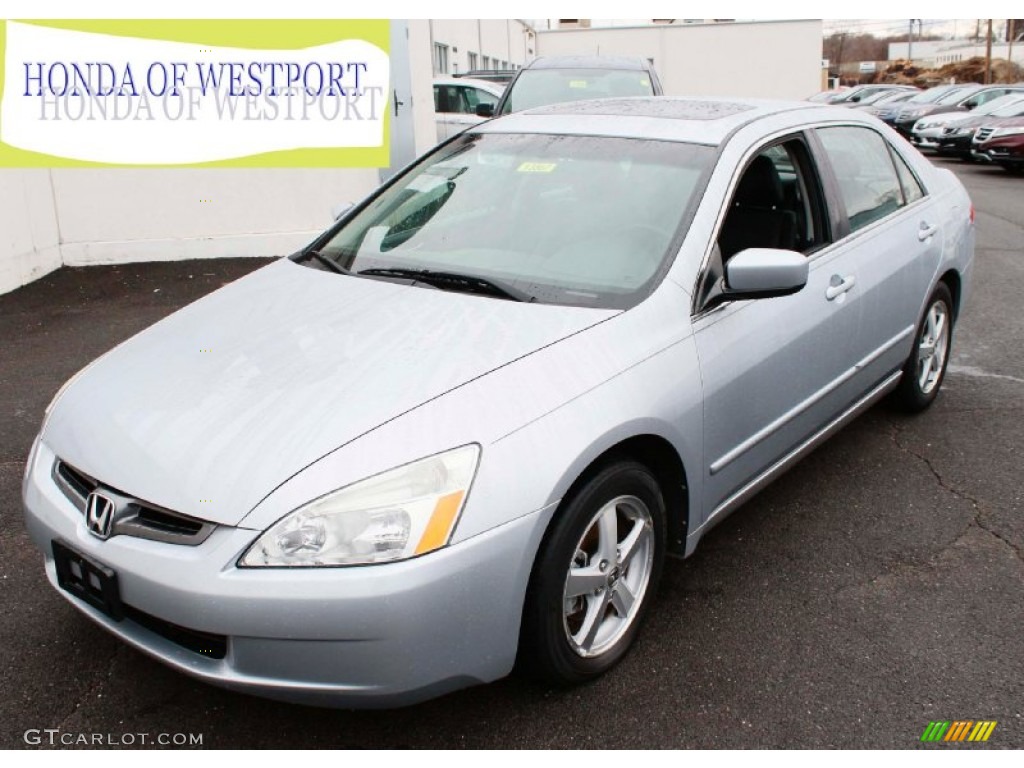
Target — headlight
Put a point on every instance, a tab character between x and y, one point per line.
1014	131
398	514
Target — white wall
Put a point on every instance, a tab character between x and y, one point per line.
764	59
79	216
421	66
508	40
118	215
29	237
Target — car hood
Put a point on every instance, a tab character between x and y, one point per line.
212	408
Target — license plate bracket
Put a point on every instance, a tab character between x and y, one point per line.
91	582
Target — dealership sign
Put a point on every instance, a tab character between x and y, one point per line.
194	92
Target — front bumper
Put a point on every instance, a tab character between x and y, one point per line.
958	145
1005	150
926	139
383	635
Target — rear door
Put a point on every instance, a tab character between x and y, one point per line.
893	237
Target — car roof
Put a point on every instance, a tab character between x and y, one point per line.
588	62
697	121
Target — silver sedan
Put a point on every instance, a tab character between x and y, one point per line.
462	430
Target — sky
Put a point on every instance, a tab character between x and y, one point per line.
953	28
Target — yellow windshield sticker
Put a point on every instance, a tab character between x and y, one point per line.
645	83
577	83
537	167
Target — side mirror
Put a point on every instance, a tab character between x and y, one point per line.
341	209
485	109
760	273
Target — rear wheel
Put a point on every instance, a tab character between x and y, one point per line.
595	576
926	367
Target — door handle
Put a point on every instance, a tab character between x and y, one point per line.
839	286
925	231
397	102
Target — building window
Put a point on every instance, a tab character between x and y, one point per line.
473	60
440	59
487	62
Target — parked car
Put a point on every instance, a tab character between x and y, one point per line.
880	95
956	139
855	93
928	132
923	100
886	101
456	102
466	425
557	79
867	94
964	101
1002	144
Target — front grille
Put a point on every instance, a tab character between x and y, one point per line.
202	643
163	521
982	134
132	517
76	485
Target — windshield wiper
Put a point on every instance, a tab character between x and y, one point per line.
330	263
453	281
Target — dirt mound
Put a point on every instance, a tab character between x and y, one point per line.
968	71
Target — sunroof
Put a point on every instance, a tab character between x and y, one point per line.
675	109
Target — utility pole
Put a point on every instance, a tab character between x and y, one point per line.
988	54
1009	49
839	63
910	42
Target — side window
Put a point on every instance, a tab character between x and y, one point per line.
777	204
912	190
476	96
864	170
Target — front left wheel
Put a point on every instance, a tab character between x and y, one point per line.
595	576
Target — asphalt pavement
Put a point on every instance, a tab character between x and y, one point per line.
876	587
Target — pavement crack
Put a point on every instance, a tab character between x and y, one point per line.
979	508
962	495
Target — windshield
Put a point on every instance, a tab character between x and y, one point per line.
879	96
586	221
892	98
1013	106
540	87
954	97
932	95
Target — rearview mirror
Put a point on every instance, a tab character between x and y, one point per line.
485	109
759	273
340	210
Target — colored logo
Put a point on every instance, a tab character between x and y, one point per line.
959	730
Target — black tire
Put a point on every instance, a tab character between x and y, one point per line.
912	395
548	647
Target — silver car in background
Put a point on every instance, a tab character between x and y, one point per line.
464	428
